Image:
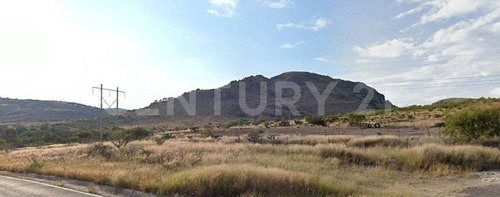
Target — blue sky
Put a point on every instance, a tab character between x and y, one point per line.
57	50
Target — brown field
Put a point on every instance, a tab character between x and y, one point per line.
321	163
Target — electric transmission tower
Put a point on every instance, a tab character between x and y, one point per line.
109	106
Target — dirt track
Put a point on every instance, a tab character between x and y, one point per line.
489	186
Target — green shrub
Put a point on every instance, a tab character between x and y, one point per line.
255	136
207	131
160	140
473	124
123	137
138	133
35	163
316	120
4	146
101	150
355	119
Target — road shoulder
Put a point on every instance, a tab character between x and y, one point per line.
76	185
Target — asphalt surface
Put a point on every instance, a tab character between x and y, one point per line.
14	187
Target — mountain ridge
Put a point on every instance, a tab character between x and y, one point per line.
31	110
342	99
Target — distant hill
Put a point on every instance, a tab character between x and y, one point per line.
114	111
16	110
342	99
450	100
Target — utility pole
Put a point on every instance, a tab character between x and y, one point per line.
110	106
100	117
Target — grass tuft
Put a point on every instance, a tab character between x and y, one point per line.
374	141
237	180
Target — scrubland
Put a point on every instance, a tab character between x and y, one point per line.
289	165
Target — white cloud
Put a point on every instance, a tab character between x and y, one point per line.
324	59
389	49
495	92
418	9
223	8
438	10
278	4
468	47
292	45
314	25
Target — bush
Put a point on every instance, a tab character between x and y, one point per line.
4	146
316	120
207	131
473	124
255	136
35	163
163	138
159	140
355	119
123	137
101	150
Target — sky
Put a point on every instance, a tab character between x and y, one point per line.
412	51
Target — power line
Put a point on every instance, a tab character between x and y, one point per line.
443	83
117	91
433	79
487	79
432	87
407	60
397	67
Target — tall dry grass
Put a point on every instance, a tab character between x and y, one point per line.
305	165
236	180
431	157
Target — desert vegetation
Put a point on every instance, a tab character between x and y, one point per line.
332	165
473	124
258	162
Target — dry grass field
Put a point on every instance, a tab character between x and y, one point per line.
290	165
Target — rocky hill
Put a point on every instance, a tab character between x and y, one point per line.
16	110
343	98
450	100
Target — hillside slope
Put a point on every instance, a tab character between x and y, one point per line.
342	99
16	110
450	100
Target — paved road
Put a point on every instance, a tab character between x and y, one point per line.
14	187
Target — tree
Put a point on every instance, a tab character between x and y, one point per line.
473	124
10	135
121	138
